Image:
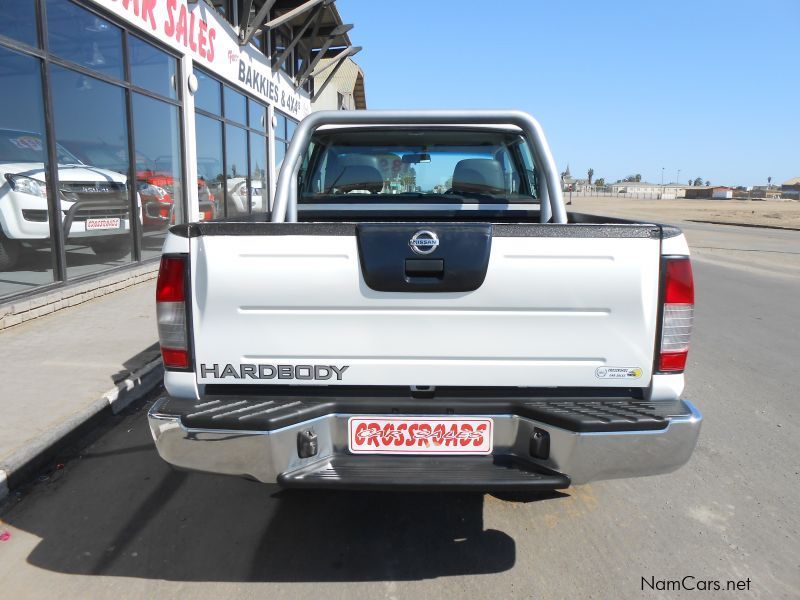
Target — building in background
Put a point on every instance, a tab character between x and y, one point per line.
716	192
643	189
567	181
766	192
721	192
120	118
790	189
339	86
571	184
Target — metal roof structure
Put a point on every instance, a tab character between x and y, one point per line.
314	23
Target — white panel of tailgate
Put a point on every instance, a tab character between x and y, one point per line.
294	309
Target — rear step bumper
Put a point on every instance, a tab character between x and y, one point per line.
430	473
258	437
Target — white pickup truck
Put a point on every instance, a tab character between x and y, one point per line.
94	201
420	312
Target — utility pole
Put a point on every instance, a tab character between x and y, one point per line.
662	183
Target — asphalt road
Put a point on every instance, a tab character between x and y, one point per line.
116	521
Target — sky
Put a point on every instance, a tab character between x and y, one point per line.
710	88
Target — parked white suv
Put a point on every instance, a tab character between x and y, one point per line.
94	201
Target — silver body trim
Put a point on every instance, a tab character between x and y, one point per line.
584	457
552	201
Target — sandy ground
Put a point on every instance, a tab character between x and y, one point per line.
772	213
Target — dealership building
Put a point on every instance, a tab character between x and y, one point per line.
119	118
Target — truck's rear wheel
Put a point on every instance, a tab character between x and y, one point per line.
111	249
9	252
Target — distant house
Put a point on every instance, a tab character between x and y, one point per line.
668	191
717	192
771	192
791	188
568	181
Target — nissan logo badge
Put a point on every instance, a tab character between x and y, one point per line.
424	242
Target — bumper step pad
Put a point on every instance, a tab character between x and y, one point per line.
274	409
457	473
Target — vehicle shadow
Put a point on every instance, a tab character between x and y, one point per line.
137	361
118	510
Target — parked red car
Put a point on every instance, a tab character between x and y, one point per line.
157	190
154	180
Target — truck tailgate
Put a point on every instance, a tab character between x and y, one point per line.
291	306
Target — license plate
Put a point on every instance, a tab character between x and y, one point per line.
94	224
412	435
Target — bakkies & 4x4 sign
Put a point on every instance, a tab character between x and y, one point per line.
196	29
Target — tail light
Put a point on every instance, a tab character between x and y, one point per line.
171	311
676	321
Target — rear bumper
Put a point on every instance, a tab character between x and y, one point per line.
270	454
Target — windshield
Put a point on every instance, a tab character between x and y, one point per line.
455	165
25	147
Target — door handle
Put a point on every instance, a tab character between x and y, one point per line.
422	267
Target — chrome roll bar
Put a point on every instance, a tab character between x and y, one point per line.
550	198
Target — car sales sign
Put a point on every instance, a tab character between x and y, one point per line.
198	30
418	435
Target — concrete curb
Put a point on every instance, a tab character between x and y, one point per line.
22	464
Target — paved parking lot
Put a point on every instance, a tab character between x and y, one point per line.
116	521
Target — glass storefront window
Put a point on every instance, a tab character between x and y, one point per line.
258	115
235	106
290	129
152	68
236	176
90	121
280	128
258	174
25	245
284	130
209	166
113	92
241	186
159	178
82	37
209	92
280	153
19	20
223	7
280	41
